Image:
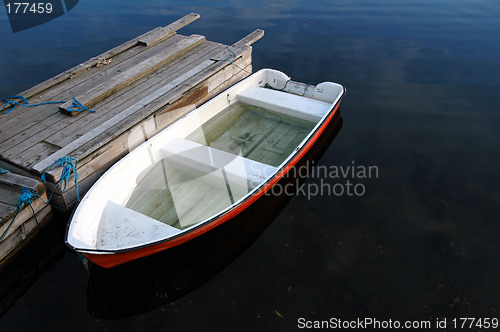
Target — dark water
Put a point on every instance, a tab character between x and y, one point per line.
420	243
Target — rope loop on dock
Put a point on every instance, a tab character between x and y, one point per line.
69	166
78	107
24	102
27	196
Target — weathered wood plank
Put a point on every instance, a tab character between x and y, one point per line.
227	55
37	152
120	101
16	169
17	181
250	38
98	93
16	124
75	71
158	35
9	196
24	139
6	209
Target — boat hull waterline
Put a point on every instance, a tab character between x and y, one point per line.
204	169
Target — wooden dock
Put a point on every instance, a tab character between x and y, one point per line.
17	226
136	89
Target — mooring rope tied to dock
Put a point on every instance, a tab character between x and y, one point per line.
27	196
69	166
232	61
76	106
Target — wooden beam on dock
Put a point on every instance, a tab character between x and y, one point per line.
140	70
160	34
251	38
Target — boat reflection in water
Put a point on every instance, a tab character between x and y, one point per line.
150	282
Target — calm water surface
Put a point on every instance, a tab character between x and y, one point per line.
421	243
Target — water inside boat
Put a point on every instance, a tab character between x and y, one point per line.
242	145
255	132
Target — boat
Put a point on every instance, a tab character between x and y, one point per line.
212	166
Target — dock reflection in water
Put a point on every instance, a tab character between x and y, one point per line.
154	281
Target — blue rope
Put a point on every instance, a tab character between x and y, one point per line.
3	170
14	103
232	61
76	106
69	166
27	197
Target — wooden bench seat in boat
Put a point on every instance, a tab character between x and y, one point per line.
284	103
204	159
